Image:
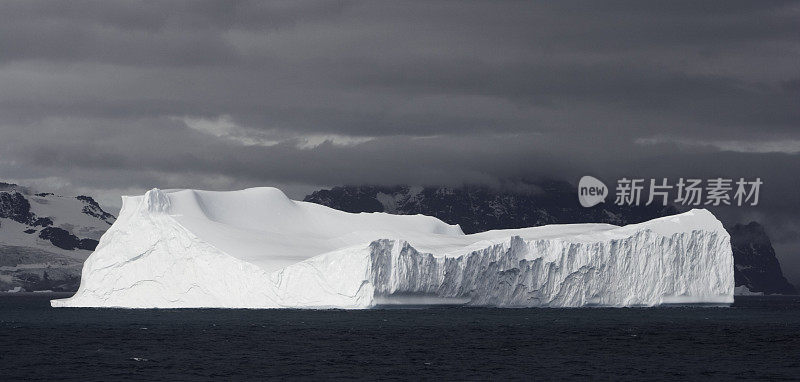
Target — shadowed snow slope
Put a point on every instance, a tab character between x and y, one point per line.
256	248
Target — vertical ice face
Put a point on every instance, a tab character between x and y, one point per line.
643	269
257	249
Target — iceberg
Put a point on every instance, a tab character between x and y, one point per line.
256	248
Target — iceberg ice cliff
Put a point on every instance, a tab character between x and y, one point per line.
256	248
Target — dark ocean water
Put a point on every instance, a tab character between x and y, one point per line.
758	338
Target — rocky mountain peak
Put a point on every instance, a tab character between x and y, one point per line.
755	263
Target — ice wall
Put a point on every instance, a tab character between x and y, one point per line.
643	269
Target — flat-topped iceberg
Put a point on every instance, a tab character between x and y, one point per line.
256	248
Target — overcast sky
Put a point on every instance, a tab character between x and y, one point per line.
111	98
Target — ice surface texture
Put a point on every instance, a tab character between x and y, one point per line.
256	248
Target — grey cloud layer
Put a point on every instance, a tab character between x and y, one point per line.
406	68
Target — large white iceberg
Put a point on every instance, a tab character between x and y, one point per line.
256	248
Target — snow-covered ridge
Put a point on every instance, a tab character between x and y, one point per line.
256	248
44	238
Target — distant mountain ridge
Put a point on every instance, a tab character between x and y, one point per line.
44	237
478	209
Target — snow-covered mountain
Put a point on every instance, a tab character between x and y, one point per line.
256	248
478	209
44	238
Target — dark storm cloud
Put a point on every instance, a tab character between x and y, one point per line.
120	96
613	72
182	33
367	68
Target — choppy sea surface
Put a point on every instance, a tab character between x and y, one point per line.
758	338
